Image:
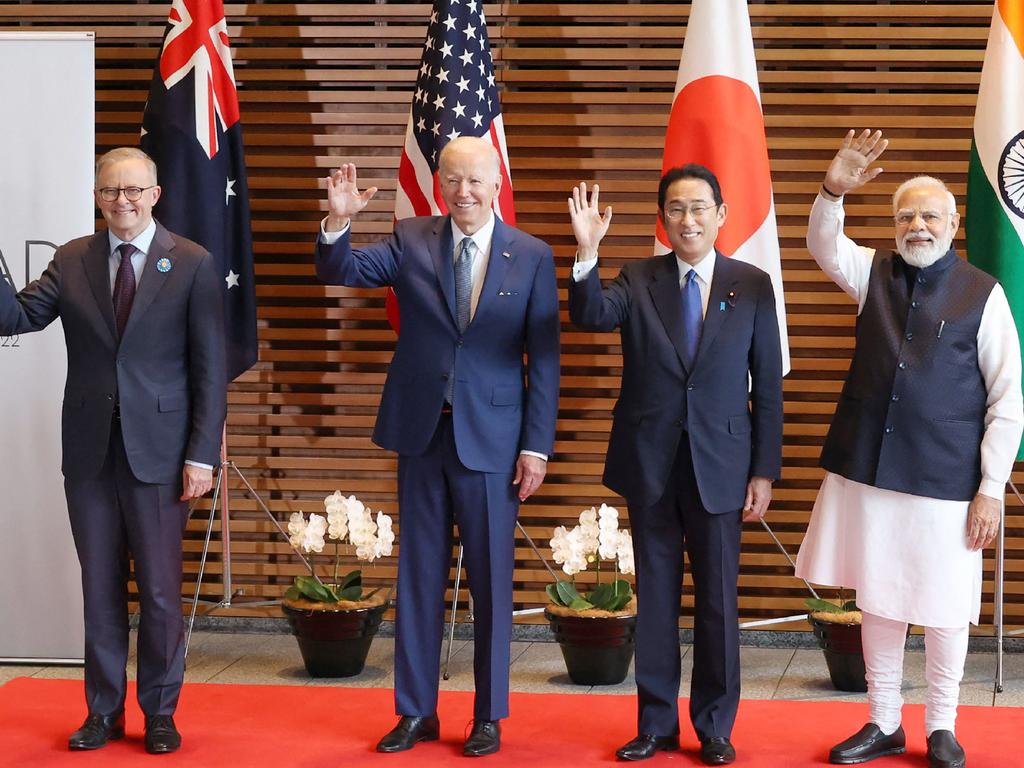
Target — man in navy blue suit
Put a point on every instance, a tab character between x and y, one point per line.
694	447
473	425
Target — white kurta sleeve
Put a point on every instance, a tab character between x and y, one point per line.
999	361
840	258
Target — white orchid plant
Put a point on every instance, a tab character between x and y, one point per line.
346	517
597	537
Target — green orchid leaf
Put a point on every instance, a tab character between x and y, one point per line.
352	578
292	593
823	606
567	592
602	596
352	593
579	604
314	590
850	605
553	595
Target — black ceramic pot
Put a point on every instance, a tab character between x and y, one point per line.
844	654
597	650
334	643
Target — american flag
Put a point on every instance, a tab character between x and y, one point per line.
455	96
191	129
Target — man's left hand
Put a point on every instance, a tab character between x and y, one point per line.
530	471
195	481
982	521
759	493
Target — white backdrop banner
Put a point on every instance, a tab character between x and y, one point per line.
47	149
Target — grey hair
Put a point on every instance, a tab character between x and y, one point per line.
919	182
469	142
125	153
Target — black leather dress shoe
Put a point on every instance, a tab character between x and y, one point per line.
867	744
409	732
645	745
96	731
161	735
484	739
944	751
717	750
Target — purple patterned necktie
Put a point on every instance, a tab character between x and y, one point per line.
124	287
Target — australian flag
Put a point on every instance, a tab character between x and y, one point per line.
191	129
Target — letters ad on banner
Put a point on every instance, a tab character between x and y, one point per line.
47	151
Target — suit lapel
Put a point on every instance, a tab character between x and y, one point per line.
97	271
152	279
723	293
664	288
498	264
441	249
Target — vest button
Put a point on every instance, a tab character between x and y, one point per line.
902	364
921	279
895	398
910	336
888	430
914	304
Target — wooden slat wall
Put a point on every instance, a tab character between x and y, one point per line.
586	93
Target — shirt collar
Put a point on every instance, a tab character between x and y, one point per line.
705	268
481	238
142	241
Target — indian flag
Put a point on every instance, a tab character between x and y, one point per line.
995	186
716	121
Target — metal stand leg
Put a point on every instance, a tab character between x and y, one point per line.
455	596
782	619
455	605
999	596
221	494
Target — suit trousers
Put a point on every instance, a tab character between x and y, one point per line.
436	490
114	516
712	542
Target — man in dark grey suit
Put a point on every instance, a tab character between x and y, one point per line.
693	448
144	407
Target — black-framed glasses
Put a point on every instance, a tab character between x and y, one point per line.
131	194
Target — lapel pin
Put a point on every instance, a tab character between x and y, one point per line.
163	264
721	306
731	298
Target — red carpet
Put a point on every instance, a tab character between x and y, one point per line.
308	727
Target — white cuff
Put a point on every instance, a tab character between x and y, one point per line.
330	238
534	453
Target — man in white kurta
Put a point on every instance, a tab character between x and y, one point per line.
913	557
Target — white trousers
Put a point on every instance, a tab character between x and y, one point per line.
945	655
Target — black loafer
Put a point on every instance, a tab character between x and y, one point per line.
944	751
162	736
484	739
96	731
717	750
409	732
867	744
646	745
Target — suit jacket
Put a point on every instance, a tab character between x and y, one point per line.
502	405
167	373
734	432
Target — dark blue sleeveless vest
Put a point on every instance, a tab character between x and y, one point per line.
911	415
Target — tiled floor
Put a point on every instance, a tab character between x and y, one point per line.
768	673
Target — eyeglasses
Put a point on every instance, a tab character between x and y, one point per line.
697	210
930	218
131	194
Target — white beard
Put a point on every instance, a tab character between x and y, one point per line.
925	254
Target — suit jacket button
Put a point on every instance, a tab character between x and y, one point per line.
690	387
110	397
444	377
889	430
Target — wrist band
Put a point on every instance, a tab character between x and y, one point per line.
828	191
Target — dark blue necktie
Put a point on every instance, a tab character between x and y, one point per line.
693	316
